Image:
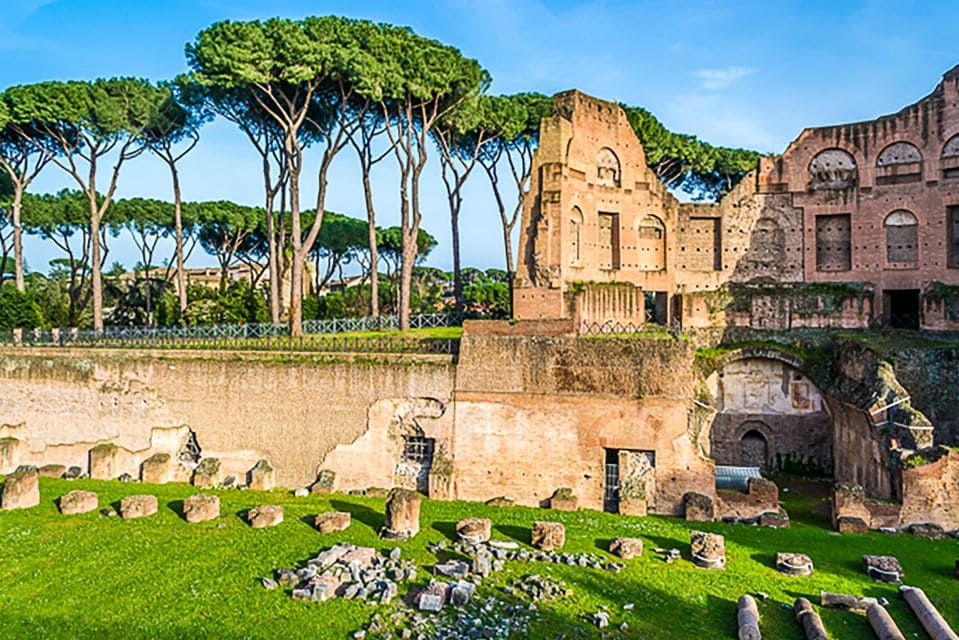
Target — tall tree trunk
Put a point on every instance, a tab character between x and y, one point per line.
299	257
149	295
406	281
457	273
274	263
371	220
180	262
96	281
17	240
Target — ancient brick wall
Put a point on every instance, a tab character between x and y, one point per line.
930	492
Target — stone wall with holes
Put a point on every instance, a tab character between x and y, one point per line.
875	203
770	415
58	404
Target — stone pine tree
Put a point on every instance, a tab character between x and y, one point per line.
23	155
172	133
239	106
461	137
84	123
415	81
295	71
515	120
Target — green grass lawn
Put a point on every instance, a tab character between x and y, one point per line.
89	576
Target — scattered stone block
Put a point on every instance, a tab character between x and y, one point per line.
377	492
747	617
262	476
851	524
708	550
883	568
138	507
268	515
461	593
207	473
699	507
104	461
563	499
434	596
845	601
325	480
9	453
329	557
331	521
201	507
810	621
794	564
501	501
474	530
77	502
157	469
882	623
402	515
626	548
362	557
52	471
456	569
926	530
73	473
21	490
774	519
548	536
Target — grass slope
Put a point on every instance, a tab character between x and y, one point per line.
94	577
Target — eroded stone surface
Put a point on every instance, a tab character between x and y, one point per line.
626	548
331	521
207	473
268	515
474	529
548	535
402	515
78	501
138	506
794	564
201	507
262	476
21	490
851	524
699	507
157	469
883	568
708	550
52	471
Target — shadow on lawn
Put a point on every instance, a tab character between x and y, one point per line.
176	506
446	529
369	517
519	534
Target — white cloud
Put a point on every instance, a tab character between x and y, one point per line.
718	79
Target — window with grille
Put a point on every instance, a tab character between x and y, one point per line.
418	449
833	243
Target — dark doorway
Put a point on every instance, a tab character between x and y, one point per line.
903	308
611	482
753	450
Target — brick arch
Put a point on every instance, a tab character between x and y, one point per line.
899	152
609	169
761	353
832	168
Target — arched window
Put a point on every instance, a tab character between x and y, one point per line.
833	169
898	163
902	238
950	158
753	450
651	244
575	235
607	168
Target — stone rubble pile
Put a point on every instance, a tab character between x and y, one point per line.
537	587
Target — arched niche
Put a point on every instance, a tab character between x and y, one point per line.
950	158
575	243
651	244
902	238
832	169
607	168
899	153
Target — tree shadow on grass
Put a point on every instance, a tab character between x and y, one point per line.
369	517
519	534
663	542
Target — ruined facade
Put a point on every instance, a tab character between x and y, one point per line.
852	226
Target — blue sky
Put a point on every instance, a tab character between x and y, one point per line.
749	74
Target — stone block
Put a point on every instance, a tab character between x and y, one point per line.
10	449
52	471
794	564
104	461
774	519
926	530
848	500
763	491
402	515
883	568
138	507
201	507
268	515
708	550
207	473
474	530
331	521
563	499
77	502
632	507
548	536
434	596
325	480
501	501
21	490
262	477
698	507
157	469
850	524
362	557
626	548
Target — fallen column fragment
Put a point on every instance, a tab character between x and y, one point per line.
882	623
810	620
845	601
929	617
748	618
